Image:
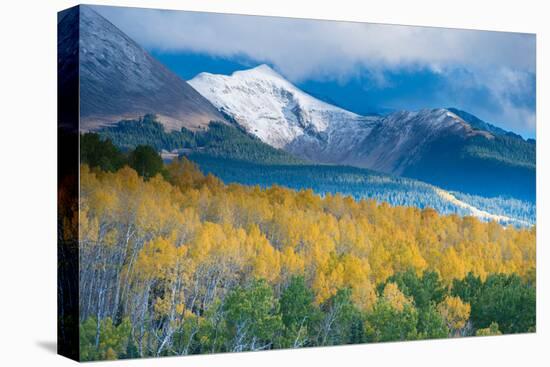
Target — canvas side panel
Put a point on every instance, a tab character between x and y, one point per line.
67	182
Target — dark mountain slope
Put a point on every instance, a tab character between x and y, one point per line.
119	80
503	165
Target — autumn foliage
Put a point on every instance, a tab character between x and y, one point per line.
180	263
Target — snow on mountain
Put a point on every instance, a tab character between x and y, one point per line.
479	213
281	115
399	139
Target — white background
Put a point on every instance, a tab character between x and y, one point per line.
28	181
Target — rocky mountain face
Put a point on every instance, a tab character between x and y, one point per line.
283	116
120	80
399	140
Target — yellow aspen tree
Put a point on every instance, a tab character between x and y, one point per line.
451	266
455	312
357	277
395	297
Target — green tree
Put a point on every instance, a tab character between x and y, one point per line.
505	299
386	323
340	320
431	324
109	342
468	289
299	313
145	160
425	290
491	330
205	334
100	153
252	318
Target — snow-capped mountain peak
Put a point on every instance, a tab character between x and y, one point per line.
271	107
262	70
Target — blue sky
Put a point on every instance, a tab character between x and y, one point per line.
359	66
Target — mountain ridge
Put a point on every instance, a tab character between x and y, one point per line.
283	116
120	80
406	143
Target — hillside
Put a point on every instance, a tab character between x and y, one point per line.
120	80
218	140
502	165
361	183
202	257
235	156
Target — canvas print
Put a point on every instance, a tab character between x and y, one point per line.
233	183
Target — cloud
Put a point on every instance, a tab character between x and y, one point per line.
301	48
503	95
503	63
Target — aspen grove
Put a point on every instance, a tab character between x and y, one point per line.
179	263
